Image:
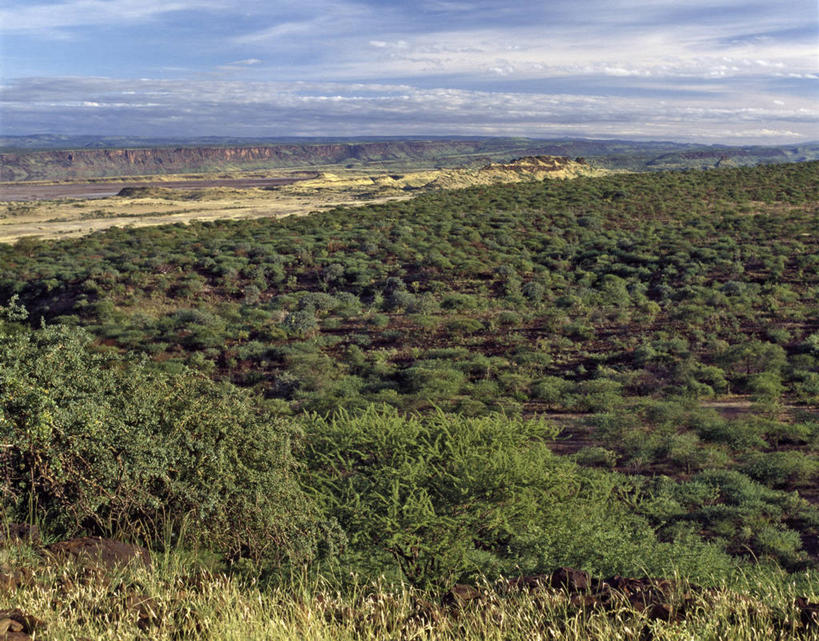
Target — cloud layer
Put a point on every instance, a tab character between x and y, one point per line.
732	71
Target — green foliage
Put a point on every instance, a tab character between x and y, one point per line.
781	468
606	537
598	395
634	296
435	493
442	497
596	456
743	514
433	381
94	444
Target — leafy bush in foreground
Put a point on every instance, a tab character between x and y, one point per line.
429	492
94	444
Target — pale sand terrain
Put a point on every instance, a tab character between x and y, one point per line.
157	205
56	219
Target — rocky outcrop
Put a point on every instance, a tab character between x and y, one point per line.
668	600
527	169
106	553
17	626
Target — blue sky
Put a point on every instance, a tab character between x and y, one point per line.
718	71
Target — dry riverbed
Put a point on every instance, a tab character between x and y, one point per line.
166	202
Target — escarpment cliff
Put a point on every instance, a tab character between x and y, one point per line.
97	163
24	163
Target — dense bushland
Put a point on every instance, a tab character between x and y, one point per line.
439	498
538	296
469	384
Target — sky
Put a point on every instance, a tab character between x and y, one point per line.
712	71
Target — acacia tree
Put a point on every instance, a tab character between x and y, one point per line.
434	492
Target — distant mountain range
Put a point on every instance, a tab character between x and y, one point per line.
53	157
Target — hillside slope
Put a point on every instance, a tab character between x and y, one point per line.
89	163
527	169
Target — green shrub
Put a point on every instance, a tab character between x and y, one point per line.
765	386
432	493
552	390
596	456
808	388
596	532
464	326
812	343
461	302
781	468
684	451
439	382
508	318
96	445
379	321
739	434
598	395
579	331
781	544
300	323
534	291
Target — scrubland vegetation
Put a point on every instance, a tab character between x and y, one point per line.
615	374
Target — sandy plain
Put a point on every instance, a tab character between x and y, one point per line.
65	209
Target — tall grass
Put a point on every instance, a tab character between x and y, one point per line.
173	602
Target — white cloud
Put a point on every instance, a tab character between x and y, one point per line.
339	44
78	13
304	108
762	133
403	68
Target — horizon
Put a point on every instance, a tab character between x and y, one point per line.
146	142
729	73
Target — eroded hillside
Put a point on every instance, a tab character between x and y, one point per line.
93	163
158	203
527	169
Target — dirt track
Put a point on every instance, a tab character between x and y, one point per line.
28	192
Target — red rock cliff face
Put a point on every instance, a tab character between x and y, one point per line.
92	163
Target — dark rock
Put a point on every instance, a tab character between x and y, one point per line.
460	595
657	599
425	612
17	626
11	579
571	579
563	579
808	612
8	581
530	582
98	551
584	601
